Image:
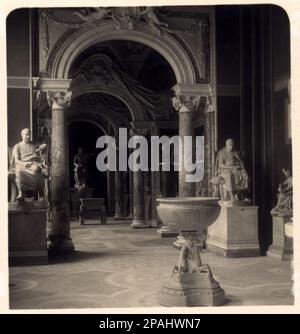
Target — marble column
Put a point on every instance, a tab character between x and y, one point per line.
138	192
110	192
61	242
130	214
138	201
118	195
186	105
209	150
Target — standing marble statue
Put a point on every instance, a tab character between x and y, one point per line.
231	175
284	206
29	167
80	163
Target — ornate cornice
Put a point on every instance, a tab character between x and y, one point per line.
193	89
50	84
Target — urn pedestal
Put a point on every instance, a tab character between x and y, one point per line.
191	282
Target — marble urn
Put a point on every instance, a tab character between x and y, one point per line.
191	282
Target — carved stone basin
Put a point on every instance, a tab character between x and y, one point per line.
188	213
191	282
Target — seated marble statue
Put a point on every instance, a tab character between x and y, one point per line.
231	175
28	167
284	204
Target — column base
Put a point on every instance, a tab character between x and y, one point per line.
152	223
192	289
139	224
118	217
60	246
129	217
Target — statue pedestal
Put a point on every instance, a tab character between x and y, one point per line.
192	289
282	246
235	232
27	233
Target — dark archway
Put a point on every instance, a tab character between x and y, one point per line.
85	134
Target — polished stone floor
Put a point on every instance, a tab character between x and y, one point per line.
116	266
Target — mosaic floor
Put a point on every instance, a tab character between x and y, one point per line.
116	266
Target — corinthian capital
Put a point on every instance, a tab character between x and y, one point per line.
59	99
185	103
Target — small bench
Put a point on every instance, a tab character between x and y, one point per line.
92	208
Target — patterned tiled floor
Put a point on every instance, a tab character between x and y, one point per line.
115	266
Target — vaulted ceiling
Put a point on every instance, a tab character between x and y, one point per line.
137	60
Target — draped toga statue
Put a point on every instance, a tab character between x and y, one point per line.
28	166
231	175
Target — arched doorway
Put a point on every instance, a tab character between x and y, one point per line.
185	85
70	46
84	134
136	91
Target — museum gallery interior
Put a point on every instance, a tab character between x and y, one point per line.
85	82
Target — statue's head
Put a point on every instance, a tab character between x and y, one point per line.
286	172
229	144
25	134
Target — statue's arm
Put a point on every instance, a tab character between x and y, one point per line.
41	148
287	185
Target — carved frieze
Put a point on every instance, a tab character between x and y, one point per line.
124	17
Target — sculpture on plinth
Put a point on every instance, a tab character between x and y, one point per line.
282	220
29	170
189	260
231	175
235	232
80	163
284	206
